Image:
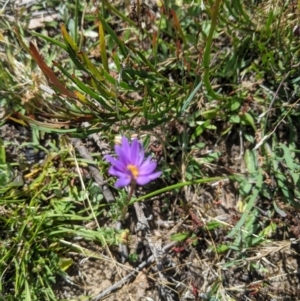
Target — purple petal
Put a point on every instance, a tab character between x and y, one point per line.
117	163
118	149
122	154
141	155
155	175
125	145
117	173
109	159
113	172
121	182
147	167
134	154
143	180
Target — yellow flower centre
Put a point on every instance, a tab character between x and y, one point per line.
134	170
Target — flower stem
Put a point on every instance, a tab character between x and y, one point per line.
126	204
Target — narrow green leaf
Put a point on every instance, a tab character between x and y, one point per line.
288	157
92	69
251	202
117	61
152	68
68	39
213	225
50	40
2	153
180	236
190	98
111	32
210	114
90	92
27	291
103	47
174	187
250	161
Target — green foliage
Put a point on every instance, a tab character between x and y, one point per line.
36	218
206	71
180	236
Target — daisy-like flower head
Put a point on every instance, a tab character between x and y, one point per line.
131	165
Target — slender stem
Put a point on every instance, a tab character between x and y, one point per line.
130	193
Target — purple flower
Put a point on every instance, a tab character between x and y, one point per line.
130	167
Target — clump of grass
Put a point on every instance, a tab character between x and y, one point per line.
36	217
